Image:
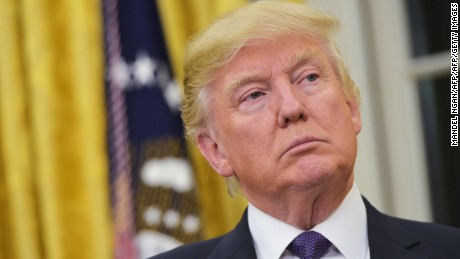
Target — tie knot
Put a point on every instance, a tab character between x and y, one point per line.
309	245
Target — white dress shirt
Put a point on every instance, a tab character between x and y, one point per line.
345	228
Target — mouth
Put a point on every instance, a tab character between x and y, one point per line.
301	144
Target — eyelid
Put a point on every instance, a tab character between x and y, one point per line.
305	69
305	74
246	95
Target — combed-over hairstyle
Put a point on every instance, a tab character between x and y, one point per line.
216	46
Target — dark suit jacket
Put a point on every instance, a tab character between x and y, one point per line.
389	238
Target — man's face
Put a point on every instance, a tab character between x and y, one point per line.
280	121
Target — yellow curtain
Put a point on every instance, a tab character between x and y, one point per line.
181	19
54	200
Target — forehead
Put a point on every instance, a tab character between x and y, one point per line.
282	48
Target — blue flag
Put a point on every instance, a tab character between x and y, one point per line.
148	157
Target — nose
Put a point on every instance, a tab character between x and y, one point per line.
291	107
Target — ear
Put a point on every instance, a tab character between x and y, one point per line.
212	152
355	115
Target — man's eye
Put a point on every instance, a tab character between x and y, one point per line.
254	95
312	77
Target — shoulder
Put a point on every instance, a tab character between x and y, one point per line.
434	240
235	244
431	233
195	250
431	228
436	233
424	239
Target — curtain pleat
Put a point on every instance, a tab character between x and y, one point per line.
54	176
18	225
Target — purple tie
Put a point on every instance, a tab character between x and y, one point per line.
309	245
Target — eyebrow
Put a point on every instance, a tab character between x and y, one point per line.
298	59
244	80
304	57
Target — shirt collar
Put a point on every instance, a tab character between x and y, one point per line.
346	228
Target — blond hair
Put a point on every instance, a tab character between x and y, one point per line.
226	36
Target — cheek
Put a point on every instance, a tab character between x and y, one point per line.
334	117
336	113
249	139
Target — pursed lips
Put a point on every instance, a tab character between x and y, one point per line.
300	142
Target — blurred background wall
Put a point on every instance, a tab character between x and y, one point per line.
92	159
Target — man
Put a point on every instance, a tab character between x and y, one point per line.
270	104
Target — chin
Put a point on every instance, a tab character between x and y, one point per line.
315	174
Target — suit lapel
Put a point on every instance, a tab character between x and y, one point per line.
236	244
387	237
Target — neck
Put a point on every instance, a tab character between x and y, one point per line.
305	208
